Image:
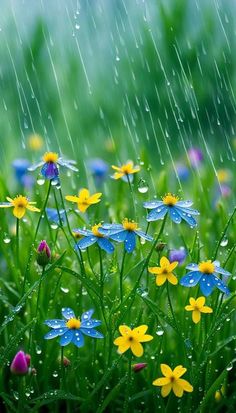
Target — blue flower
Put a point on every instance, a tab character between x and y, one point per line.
206	275
98	169
92	237
49	165
55	217
72	330
21	172
125	232
177	210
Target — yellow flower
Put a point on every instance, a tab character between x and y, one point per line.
20	204
132	339
223	175
125	170
35	142
172	381
170	199
164	272
84	200
197	307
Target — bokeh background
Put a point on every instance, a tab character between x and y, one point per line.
118	79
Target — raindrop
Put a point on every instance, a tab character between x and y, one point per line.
159	331
40	181
77	26
142	186
224	242
38	349
65	290
55	374
229	367
54	226
6	239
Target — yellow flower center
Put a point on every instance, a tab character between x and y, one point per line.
50	157
73	324
20	201
127	169
206	267
129	225
96	232
170	199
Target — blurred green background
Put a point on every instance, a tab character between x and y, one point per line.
121	77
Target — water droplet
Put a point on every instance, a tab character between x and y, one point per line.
159	331
65	290
224	242
55	374
38	349
40	181
54	226
143	186
77	26
230	366
6	239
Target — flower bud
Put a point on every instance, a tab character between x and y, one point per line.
43	254
138	367
20	364
178	255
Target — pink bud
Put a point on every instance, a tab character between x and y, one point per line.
43	254
139	366
20	363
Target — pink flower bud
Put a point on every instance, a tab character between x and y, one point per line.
20	363
43	254
138	367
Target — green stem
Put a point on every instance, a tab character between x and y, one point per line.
36	312
17	241
102	286
132	196
223	234
121	275
126	403
35	236
62	368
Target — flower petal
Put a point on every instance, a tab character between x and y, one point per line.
105	245
177	389
196	316
124	330
172	279
55	333
207	284
78	339
130	241
186	386
87	315
166	370
206	309
91	332
191	279
5	205
143	235
67	313
86	242
32	208
72	198
66	338
19	212
200	301
220	285
165	390
162	381
179	371
118	236
174	215
55	323
157	213
136	348
145	338
160	280
152	204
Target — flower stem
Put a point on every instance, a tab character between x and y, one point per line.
62	368
121	275
35	236
17	241
102	286
132	196
126	403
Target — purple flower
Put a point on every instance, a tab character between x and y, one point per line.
178	255
20	364
98	169
195	157
43	254
21	172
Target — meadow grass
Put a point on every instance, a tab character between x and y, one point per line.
121	291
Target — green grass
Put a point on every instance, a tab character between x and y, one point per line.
96	379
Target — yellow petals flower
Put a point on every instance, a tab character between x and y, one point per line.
124	171
20	204
35	142
84	199
223	175
164	272
197	307
170	199
172	381
132	339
